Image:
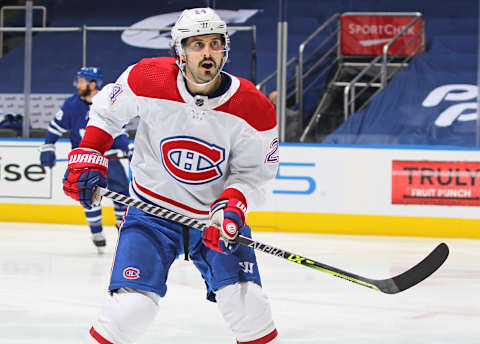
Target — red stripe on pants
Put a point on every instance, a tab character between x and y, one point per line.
264	340
98	337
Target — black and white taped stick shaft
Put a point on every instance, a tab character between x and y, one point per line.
392	285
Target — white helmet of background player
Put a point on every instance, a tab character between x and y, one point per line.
197	22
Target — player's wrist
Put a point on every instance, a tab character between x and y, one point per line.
234	203
97	139
86	158
232	193
235	211
86	149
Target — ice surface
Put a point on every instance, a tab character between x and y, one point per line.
52	283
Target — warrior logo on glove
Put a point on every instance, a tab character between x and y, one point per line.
94	159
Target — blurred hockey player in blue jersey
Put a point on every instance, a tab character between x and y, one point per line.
73	117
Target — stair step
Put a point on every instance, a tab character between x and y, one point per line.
365	64
359	84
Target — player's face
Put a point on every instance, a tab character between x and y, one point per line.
84	88
203	57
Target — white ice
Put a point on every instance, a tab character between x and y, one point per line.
52	283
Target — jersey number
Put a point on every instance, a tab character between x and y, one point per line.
272	155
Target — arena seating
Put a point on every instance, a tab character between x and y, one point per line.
433	101
56	56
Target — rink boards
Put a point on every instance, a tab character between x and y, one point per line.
384	190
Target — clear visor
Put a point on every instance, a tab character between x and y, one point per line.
82	82
198	46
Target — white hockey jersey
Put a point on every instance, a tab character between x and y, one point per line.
188	149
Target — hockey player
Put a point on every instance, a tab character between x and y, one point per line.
206	144
73	116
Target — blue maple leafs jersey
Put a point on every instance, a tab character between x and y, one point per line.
73	117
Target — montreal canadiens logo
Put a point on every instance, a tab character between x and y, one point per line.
231	228
191	160
131	273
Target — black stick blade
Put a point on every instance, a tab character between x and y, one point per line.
418	273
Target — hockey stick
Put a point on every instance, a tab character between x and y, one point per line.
389	286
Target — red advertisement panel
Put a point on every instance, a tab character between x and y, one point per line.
436	182
366	35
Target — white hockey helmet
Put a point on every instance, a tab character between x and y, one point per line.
196	22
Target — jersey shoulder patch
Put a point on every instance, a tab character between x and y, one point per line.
252	106
155	78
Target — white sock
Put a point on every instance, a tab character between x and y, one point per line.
246	309
125	317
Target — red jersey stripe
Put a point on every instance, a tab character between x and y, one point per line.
168	200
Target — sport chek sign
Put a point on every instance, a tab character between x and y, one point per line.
366	35
436	182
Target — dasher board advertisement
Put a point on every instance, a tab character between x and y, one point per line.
436	182
44	106
21	175
367	34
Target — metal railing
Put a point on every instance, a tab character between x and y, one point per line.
387	46
349	90
380	79
300	74
262	85
2	19
84	29
335	48
301	49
